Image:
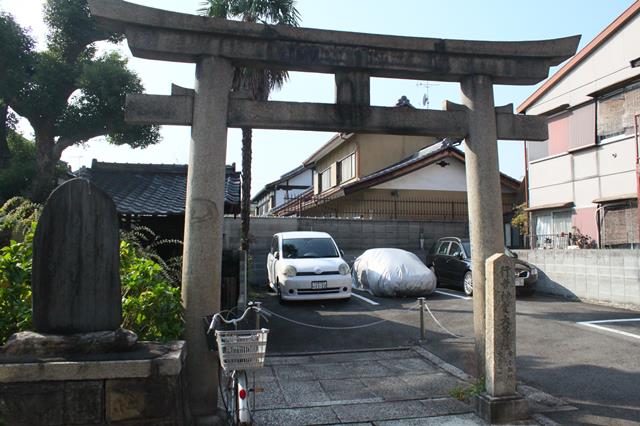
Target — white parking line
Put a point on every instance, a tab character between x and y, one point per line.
453	295
364	298
594	324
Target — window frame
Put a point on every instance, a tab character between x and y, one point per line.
321	174
352	161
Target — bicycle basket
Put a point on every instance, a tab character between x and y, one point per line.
242	349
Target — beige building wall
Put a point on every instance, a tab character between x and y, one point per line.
606	170
373	153
380	151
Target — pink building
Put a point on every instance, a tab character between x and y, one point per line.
583	180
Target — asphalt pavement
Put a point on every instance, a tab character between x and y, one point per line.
586	355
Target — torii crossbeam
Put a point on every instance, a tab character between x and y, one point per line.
216	45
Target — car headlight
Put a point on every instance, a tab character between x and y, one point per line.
289	271
344	269
534	271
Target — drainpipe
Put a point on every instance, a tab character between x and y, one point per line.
526	192
636	120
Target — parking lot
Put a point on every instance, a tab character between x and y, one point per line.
586	354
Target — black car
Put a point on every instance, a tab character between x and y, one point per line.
450	260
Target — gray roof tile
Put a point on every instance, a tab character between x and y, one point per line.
153	189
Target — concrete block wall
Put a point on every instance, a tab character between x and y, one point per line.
352	235
600	276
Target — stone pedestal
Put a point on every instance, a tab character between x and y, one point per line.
501	403
141	387
503	409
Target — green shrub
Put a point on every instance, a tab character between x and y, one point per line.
151	305
15	286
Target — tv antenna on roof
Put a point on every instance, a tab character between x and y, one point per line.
425	97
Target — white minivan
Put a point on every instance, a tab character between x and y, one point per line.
307	266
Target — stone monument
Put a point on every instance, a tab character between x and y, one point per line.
79	366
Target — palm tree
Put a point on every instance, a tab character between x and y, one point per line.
256	83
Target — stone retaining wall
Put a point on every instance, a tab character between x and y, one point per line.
107	392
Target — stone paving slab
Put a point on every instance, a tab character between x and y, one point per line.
455	420
433	385
386	388
296	417
304	394
388	410
346	389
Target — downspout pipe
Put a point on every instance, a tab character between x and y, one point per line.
636	120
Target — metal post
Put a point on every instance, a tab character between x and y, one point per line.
258	306
422	332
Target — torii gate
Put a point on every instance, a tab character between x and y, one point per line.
216	45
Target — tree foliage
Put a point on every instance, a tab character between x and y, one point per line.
68	93
20	168
520	220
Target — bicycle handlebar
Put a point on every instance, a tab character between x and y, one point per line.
251	306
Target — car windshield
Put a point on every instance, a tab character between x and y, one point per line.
467	249
305	248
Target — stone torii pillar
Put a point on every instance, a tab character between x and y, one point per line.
484	195
202	256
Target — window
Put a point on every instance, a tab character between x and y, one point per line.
552	229
455	249
274	245
347	168
616	111
301	248
444	247
619	224
324	179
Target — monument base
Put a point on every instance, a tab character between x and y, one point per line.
145	386
504	409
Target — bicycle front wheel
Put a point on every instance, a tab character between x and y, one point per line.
228	395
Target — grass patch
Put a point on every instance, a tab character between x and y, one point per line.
465	393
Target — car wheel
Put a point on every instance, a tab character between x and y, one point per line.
467	284
280	299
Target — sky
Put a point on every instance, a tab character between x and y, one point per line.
277	152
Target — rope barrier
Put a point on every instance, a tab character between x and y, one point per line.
440	325
355	327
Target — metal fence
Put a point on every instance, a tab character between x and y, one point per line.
337	206
550	241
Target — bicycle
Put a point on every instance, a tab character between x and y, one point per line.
239	351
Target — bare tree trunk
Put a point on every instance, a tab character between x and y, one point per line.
5	154
245	209
44	180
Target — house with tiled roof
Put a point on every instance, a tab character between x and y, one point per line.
154	195
582	183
